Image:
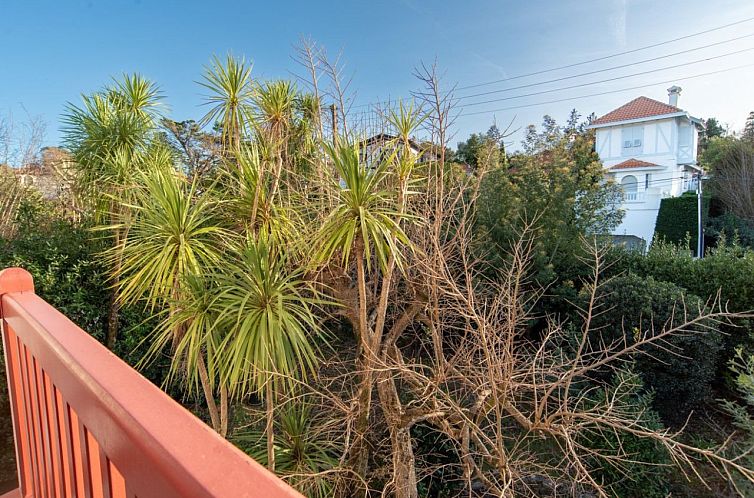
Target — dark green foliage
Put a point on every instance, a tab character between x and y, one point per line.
68	273
712	129
748	133
677	219
680	369
726	271
7	461
560	192
643	472
728	226
473	149
438	453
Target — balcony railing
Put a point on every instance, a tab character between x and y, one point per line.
633	196
88	425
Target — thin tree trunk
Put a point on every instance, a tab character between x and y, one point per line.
404	463
359	450
114	305
276	180
223	411
214	413
270	429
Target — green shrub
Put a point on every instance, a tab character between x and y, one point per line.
680	370
725	273
63	258
728	226
642	470
677	219
742	368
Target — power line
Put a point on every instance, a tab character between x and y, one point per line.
606	92
580	85
543	71
607	56
555	80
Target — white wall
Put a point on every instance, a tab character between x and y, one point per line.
660	143
639	222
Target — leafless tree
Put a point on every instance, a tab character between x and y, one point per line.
20	142
733	180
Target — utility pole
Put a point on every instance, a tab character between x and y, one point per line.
334	118
699	227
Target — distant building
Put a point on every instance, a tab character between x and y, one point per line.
649	148
380	146
47	175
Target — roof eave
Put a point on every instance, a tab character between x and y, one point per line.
640	120
642	168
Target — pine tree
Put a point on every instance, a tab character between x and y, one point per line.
748	133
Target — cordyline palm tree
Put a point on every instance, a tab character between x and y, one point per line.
305	136
109	134
364	226
231	99
174	236
275	103
304	448
245	185
266	308
195	319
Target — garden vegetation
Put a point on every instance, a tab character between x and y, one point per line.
372	320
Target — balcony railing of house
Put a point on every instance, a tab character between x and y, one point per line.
87	425
634	196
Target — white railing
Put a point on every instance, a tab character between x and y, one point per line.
633	196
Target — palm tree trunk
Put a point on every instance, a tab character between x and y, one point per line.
270	429
277	173
359	450
214	414
257	192
223	411
404	467
114	305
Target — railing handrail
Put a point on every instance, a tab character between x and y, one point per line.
157	447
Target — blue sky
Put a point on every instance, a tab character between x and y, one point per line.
52	51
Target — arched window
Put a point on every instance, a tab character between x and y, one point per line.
630	187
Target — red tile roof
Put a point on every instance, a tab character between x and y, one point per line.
641	107
634	163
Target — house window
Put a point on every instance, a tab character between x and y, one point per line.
646	181
630	187
633	141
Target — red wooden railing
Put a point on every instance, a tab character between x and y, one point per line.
87	425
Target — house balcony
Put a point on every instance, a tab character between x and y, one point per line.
87	425
638	196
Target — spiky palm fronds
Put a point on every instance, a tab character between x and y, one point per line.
267	309
231	97
275	101
108	132
191	314
365	212
173	234
304	449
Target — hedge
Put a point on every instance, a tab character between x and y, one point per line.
677	219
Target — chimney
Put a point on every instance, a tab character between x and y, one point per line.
673	93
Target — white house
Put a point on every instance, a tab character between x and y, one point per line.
649	148
379	147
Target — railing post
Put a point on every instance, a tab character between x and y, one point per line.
15	280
